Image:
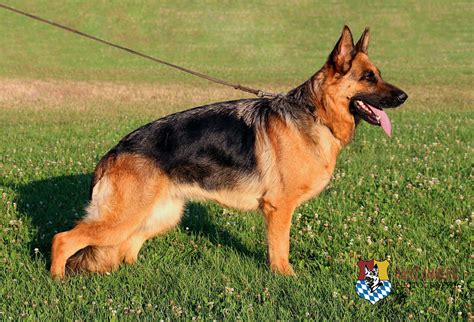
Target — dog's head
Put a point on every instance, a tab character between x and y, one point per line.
349	88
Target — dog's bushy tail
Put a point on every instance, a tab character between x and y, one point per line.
93	259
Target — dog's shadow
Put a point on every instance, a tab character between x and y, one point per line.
55	204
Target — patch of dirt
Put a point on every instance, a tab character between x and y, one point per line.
56	93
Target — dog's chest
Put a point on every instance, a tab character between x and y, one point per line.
320	162
305	162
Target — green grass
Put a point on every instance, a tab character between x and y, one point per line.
408	198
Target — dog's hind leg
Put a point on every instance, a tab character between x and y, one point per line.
165	215
121	201
94	246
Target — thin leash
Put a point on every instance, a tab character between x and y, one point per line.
258	92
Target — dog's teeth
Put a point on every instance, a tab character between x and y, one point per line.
363	106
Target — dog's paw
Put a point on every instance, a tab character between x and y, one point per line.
283	269
57	274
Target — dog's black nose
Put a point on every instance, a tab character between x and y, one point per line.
402	97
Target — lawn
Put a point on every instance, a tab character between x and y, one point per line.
64	101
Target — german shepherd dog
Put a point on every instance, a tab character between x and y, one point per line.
270	154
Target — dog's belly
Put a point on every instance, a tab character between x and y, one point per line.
249	201
243	197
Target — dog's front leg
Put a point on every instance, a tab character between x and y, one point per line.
278	222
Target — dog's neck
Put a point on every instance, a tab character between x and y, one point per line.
302	96
310	96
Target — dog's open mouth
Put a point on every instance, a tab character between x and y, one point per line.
373	115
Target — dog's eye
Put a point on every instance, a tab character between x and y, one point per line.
369	76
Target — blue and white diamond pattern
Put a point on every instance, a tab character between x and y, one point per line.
373	297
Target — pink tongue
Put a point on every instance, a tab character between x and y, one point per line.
384	120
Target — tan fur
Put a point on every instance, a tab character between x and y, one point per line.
301	165
244	196
125	204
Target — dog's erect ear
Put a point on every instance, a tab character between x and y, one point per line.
343	53
366	270
376	269
363	43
